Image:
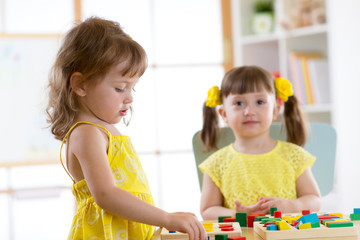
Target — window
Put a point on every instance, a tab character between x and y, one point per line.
183	40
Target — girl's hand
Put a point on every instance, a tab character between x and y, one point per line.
186	223
256	208
269	202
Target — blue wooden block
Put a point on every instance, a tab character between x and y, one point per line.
311	218
356	210
172	231
272	227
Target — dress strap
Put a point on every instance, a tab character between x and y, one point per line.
63	141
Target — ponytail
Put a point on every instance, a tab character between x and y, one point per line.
210	131
296	129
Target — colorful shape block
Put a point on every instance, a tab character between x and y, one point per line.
221	237
355	216
305	212
236	238
250	221
272	210
305	225
272	227
282	225
311	218
241	218
315	225
229	220
340	224
277	214
221	218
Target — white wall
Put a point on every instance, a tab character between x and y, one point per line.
344	44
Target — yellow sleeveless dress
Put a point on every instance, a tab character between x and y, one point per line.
246	177
93	223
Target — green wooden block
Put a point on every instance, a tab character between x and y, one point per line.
272	210
259	218
221	237
315	225
241	218
221	218
270	220
355	216
340	224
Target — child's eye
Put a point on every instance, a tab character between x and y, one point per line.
260	102
239	103
120	89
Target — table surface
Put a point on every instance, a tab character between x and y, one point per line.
251	235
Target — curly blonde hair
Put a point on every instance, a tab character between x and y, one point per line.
91	48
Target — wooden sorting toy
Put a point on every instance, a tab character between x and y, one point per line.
330	226
231	229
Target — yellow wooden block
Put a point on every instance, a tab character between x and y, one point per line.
305	226
340	215
298	216
207	224
286	218
341	220
282	225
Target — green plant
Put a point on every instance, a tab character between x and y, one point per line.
263	6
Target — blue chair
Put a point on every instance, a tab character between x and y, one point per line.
321	143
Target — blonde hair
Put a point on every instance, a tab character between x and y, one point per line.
247	79
91	48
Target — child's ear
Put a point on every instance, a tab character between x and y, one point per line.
222	113
276	111
77	84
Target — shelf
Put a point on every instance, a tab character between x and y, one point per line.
299	32
306	31
258	39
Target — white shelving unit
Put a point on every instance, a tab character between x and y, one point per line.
271	51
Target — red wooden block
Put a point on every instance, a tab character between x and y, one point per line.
269	223
294	223
327	217
229	220
228	229
236	238
305	212
258	214
225	225
250	221
277	214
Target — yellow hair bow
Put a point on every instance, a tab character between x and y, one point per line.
213	98
283	89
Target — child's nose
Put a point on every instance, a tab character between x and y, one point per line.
249	110
129	98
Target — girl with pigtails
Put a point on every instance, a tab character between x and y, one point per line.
255	172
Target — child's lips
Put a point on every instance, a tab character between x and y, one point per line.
123	112
250	122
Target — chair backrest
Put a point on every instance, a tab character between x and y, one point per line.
321	143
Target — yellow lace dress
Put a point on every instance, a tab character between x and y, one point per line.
247	177
93	223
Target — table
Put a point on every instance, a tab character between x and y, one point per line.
251	235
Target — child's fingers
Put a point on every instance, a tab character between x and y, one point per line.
190	232
203	234
238	206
